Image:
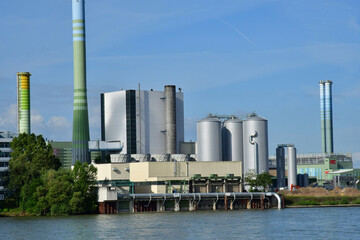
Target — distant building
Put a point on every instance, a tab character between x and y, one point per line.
5	150
319	165
63	151
144	121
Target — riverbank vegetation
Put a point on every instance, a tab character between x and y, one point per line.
40	186
317	196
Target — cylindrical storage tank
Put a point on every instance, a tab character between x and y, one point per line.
300	180
306	180
209	140
255	145
232	140
291	166
280	167
170	118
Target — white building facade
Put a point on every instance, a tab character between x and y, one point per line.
139	120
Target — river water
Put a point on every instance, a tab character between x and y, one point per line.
290	223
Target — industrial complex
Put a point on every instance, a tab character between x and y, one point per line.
144	163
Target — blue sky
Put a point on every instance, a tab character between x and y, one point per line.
229	57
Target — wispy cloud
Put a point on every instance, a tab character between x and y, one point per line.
353	24
8	119
237	31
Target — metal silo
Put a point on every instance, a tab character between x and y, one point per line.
209	139
280	166
232	138
291	167
255	140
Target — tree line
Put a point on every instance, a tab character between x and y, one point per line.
41	186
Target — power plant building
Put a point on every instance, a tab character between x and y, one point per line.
23	102
145	122
317	165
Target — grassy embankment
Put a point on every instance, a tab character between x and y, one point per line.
8	209
321	197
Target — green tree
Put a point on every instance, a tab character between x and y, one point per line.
250	179
30	158
256	182
84	196
59	185
264	180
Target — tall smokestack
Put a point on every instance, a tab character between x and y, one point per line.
322	116
328	117
23	102
170	118
80	149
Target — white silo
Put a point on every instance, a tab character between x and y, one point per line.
209	139
255	142
232	135
291	165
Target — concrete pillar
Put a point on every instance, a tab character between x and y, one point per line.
160	207
208	186
131	206
225	203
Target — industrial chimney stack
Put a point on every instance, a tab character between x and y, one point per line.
23	102
80	148
327	145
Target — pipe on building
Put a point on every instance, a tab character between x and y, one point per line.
23	102
170	119
291	165
201	195
329	117
322	116
256	158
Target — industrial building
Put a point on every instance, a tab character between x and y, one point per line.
62	150
23	102
144	121
319	165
